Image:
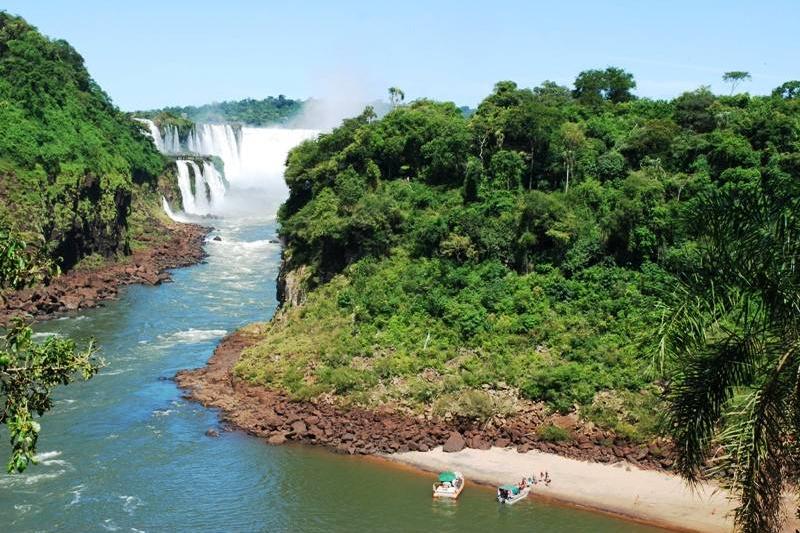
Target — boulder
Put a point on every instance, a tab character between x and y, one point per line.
72	302
299	428
455	443
277	438
211	432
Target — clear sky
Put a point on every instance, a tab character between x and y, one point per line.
149	54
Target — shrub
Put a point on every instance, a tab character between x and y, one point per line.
473	404
553	433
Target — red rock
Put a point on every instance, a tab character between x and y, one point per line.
71	302
277	438
479	444
455	443
502	443
299	428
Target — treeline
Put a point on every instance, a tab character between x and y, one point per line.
533	243
266	112
69	159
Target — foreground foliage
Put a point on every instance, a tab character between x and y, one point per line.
29	371
734	341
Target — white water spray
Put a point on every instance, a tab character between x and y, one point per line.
253	158
155	133
172	141
185	185
217	139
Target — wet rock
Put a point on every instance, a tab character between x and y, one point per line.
71	302
455	443
211	432
217	238
149	277
277	439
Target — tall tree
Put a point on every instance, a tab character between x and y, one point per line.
735	78
612	84
396	96
571	139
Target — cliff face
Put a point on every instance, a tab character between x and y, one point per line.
292	282
69	159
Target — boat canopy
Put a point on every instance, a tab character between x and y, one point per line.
447	477
513	489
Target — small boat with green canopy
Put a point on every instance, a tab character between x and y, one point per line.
449	485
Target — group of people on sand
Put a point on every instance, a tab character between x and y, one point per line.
544	477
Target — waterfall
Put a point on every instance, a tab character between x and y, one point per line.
170	213
253	158
185	185
215	183
155	133
220	140
202	190
172	141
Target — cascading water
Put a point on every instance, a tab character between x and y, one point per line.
185	185
155	133
253	158
202	190
221	140
172	141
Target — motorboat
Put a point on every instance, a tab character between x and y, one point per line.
511	494
449	485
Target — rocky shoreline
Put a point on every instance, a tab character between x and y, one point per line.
80	289
273	416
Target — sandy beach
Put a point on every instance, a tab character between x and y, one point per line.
620	489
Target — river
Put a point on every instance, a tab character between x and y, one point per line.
125	452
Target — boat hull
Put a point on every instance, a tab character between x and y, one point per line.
449	494
511	501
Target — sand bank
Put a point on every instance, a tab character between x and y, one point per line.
620	489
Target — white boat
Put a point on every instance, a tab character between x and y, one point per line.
511	494
450	485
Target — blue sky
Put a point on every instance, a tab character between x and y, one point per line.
153	53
